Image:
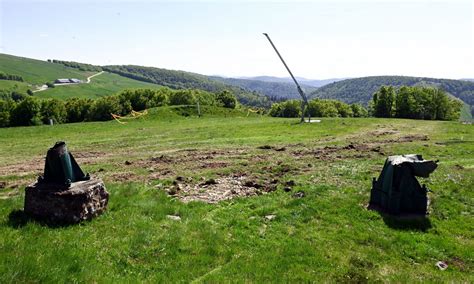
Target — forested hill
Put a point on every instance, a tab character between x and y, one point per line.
186	80
274	90
360	90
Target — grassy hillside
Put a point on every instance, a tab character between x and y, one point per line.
327	235
14	86
38	72
186	80
360	90
101	85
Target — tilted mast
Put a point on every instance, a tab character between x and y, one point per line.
304	103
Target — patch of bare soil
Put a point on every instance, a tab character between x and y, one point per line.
36	165
356	150
216	190
88	157
123	177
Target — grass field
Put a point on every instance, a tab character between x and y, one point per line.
20	87
101	85
38	72
327	235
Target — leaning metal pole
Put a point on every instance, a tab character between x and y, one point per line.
304	103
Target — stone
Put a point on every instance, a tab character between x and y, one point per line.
442	265
173	217
270	217
299	194
56	203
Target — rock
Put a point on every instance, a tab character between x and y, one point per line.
270	217
3	184
128	163
173	217
56	203
287	189
441	265
299	194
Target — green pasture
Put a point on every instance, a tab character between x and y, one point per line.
101	85
326	236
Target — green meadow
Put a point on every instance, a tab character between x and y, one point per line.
325	234
38	72
101	85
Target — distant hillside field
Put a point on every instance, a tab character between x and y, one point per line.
277	90
302	81
187	80
38	72
360	90
14	86
102	85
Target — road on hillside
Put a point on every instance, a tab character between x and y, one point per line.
44	87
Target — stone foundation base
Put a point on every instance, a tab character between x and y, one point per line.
83	200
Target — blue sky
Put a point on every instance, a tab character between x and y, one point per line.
318	39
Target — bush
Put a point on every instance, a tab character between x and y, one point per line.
53	109
77	109
50	85
358	110
322	108
182	97
290	108
103	108
227	99
160	98
6	107
27	112
343	109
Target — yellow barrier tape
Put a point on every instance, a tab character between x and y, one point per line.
134	114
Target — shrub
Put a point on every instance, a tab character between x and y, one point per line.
5	108
27	112
53	109
77	109
290	108
358	110
182	97
227	99
103	108
322	108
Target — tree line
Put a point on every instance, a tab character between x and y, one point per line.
11	77
185	80
24	110
77	65
318	108
415	103
360	90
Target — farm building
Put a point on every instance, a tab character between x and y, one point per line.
67	81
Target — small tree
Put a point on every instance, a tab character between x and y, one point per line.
227	99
